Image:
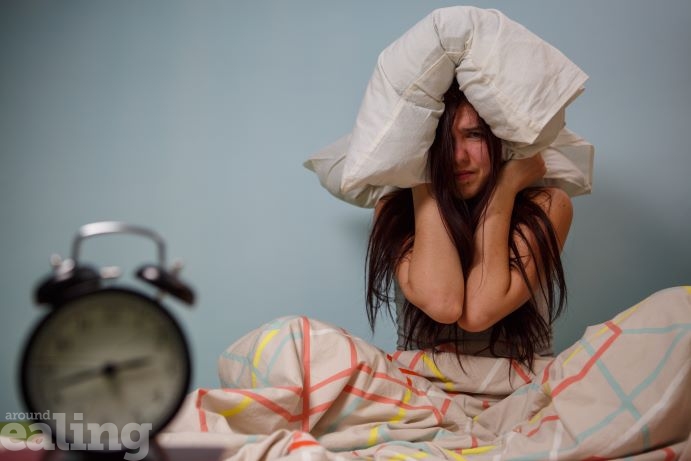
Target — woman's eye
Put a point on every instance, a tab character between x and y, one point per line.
475	134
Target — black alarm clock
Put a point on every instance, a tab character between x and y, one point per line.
109	366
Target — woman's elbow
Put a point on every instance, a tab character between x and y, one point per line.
474	323
446	311
443	305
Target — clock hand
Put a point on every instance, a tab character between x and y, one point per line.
132	364
80	376
109	370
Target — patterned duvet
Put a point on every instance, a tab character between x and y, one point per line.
301	389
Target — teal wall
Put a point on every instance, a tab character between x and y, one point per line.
193	118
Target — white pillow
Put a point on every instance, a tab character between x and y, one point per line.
569	162
519	84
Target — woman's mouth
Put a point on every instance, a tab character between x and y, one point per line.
464	175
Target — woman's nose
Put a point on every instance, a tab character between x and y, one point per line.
460	153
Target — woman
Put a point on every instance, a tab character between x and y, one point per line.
299	388
477	247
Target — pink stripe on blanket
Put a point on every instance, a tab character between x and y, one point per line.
395	402
268	403
524	376
542	421
202	414
416	359
586	368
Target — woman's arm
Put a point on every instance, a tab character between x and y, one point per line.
494	288
430	275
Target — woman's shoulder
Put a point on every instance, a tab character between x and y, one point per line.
557	205
553	200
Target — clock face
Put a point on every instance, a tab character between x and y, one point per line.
112	357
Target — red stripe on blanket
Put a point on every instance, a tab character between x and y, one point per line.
294	389
302	443
366	368
542	421
525	377
268	403
299	441
363	367
416	359
545	372
202	414
340	375
408	384
671	456
306	374
405	371
395	402
445	406
321	407
586	368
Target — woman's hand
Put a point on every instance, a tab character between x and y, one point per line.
517	174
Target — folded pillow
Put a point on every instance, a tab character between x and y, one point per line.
569	163
519	84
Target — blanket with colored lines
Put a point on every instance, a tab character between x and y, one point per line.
301	389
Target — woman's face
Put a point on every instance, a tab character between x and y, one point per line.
472	165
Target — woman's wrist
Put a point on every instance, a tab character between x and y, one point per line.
508	182
502	200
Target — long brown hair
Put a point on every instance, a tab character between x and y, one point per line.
524	331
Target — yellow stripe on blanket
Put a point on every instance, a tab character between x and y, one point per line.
373	436
478	450
535	418
573	354
436	372
401	410
236	409
402	457
454	455
469	451
547	389
258	354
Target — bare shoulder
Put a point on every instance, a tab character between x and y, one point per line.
553	200
557	205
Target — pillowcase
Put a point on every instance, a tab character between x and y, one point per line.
569	163
519	84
